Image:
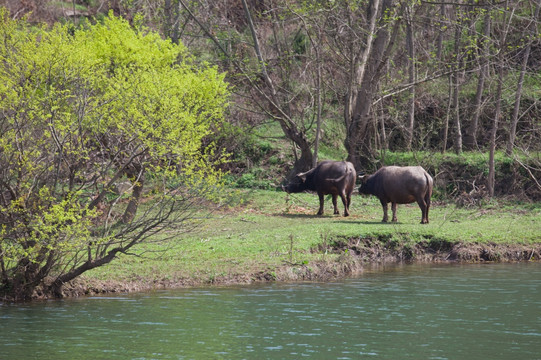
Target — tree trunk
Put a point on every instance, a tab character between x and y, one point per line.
439	44
447	116
500	67
358	65
411	76
137	180
516	108
56	287
171	26
518	94
456	88
359	131
493	132
383	134
318	98
470	140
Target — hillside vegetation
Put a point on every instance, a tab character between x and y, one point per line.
124	121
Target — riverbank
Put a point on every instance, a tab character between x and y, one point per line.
276	237
355	255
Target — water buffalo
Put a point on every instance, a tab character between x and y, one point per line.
399	185
328	177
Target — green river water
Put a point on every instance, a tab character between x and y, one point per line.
490	311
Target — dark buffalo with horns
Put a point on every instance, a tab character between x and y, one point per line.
328	177
399	185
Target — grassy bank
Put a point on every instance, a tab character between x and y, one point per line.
275	236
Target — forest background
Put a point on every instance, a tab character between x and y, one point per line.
352	79
452	86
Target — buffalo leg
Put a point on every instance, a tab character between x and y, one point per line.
321	203
427	202
424	210
393	207
334	198
346	204
385	206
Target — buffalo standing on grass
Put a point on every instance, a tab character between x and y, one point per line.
400	185
328	177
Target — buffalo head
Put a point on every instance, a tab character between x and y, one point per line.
364	189
297	185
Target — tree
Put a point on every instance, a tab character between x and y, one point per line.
314	33
266	71
82	112
279	103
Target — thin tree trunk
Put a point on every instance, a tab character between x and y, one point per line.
318	114
318	93
351	86
411	76
516	108
257	48
439	44
493	132
383	133
456	88
447	116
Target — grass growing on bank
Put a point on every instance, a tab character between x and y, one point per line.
268	232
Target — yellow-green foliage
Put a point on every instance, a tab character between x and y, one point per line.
78	109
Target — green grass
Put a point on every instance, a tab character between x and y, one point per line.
267	232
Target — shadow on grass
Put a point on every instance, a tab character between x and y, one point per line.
339	219
302	216
366	222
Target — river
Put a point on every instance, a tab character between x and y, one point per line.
489	311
